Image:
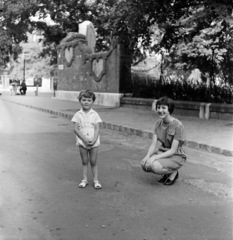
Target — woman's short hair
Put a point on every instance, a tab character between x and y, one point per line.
86	94
167	102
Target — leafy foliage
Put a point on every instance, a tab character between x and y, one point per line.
14	25
35	66
195	33
206	41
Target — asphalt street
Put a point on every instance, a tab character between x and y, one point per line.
40	169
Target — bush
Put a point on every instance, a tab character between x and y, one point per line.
147	87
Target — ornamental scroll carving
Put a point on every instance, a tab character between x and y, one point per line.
69	55
67	47
98	62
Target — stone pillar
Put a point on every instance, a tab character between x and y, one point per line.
207	110
202	111
87	29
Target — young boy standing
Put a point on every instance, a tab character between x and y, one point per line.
86	127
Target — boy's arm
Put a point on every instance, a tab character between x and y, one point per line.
79	134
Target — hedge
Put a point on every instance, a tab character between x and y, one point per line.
147	87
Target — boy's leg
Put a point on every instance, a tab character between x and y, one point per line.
85	160
93	162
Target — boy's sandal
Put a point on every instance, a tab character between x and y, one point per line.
83	184
97	185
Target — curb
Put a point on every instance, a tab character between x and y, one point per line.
135	132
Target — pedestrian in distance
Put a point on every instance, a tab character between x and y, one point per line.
166	154
23	88
86	127
14	88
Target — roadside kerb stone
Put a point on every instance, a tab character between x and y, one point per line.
192	144
216	150
135	132
227	153
205	147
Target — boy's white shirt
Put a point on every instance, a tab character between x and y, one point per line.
86	124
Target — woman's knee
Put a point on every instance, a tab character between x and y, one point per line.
156	167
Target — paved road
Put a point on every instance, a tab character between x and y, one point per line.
40	199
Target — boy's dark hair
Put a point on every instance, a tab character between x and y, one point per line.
167	102
86	94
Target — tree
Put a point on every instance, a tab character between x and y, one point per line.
67	15
205	41
14	24
193	32
130	21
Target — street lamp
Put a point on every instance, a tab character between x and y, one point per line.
24	65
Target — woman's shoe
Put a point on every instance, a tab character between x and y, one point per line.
163	178
171	182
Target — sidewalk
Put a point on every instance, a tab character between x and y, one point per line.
208	135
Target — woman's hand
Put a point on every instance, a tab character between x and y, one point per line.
144	160
149	162
144	164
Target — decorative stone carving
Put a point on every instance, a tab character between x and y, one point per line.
72	36
67	47
98	69
80	68
69	55
98	61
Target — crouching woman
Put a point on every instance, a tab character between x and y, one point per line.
166	154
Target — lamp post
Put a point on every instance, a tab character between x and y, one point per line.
212	81
24	65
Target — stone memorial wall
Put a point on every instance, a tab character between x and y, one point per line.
79	67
